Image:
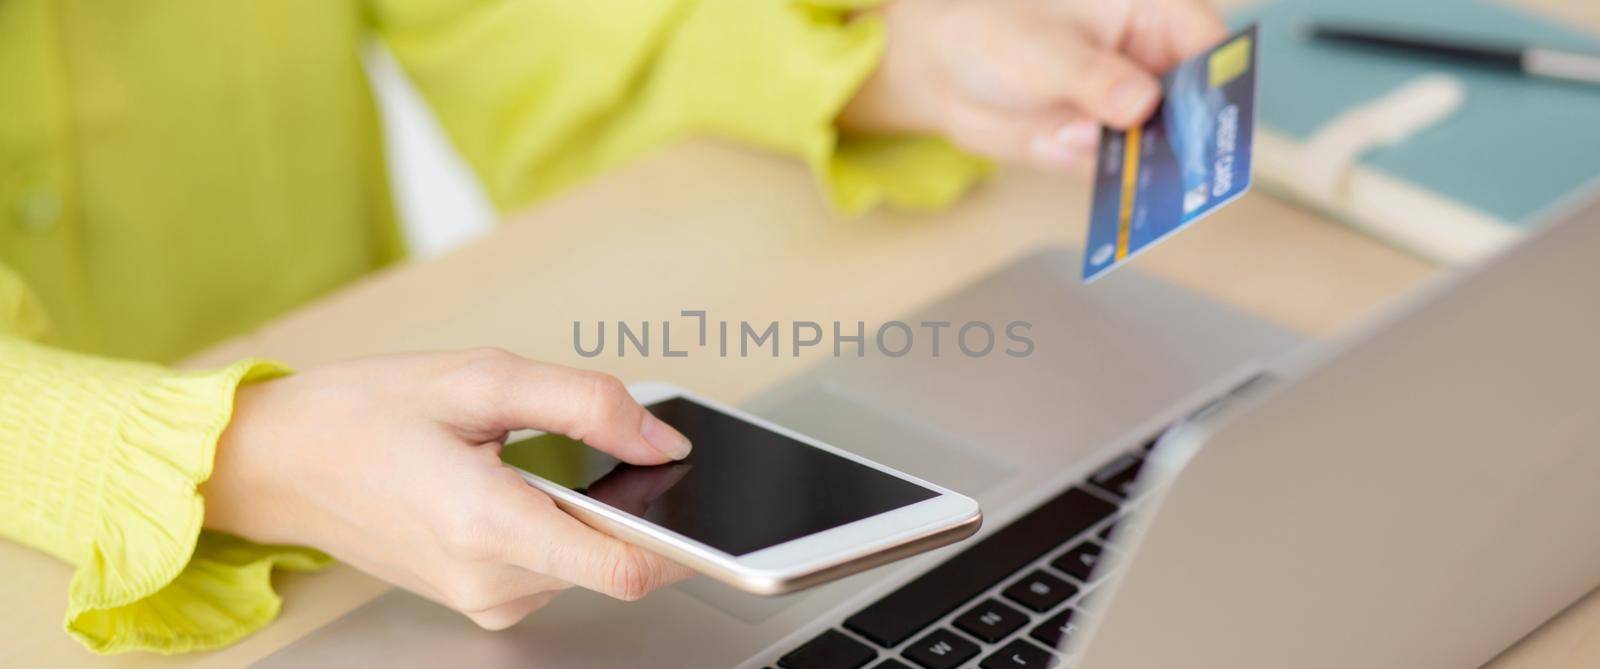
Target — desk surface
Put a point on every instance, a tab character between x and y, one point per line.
744	236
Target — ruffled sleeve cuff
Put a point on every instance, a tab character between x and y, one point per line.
154	580
102	460
860	172
784	71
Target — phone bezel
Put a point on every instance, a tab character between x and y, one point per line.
946	517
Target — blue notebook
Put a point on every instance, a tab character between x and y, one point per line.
1454	189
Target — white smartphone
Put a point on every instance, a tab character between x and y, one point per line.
756	506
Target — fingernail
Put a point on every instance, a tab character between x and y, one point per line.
665	439
1133	98
1079	135
1050	150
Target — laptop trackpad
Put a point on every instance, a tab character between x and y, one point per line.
833	414
830	415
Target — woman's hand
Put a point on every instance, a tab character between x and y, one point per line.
1027	81
392	465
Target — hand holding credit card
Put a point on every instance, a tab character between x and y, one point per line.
1190	158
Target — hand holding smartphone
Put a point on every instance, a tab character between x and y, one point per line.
756	506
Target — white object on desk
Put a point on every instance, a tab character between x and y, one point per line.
1325	172
1327	158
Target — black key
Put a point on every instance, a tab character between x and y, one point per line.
958	580
1020	654
940	649
1040	591
1058	628
991	621
830	650
891	663
1118	477
1080	561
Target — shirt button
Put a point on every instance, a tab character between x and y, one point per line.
38	210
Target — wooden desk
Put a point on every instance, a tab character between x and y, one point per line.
745	236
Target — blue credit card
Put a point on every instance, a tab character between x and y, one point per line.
1190	158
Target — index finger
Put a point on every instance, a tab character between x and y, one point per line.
517	393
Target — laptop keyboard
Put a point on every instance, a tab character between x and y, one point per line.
1006	602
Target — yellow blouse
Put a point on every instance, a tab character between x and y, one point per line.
174	172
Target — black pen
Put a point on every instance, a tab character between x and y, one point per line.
1529	60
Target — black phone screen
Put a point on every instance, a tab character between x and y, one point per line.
742	489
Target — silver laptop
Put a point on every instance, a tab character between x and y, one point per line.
1167	483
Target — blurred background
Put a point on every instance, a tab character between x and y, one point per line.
440	204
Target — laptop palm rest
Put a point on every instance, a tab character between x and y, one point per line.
1105	361
836	415
1109	361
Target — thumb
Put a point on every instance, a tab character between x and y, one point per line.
1100	82
567	549
1109	87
